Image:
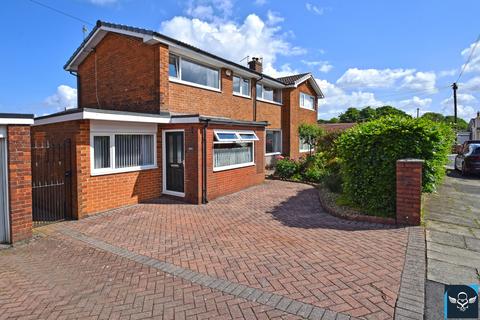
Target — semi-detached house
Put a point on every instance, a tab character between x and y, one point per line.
157	116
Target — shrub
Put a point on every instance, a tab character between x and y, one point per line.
310	133
286	168
369	151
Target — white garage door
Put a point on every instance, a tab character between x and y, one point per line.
4	227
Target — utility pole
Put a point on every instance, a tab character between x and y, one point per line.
455	87
418	113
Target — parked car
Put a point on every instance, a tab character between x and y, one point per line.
468	159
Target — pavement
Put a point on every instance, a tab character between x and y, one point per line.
452	218
268	252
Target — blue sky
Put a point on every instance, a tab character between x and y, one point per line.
373	52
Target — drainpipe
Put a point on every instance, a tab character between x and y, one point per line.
204	165
254	99
75	74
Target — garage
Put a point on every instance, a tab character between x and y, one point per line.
15	177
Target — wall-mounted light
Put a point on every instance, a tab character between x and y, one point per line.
228	72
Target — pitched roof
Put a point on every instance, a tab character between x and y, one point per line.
288	80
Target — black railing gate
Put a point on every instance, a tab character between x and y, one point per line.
51	181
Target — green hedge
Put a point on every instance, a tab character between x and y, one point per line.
369	151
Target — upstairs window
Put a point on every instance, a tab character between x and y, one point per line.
307	101
241	86
269	94
192	72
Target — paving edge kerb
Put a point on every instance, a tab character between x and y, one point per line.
411	297
279	302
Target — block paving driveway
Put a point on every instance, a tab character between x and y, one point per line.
266	252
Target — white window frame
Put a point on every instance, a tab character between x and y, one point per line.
302	105
112	169
281	142
266	100
178	79
239	140
241	93
300	146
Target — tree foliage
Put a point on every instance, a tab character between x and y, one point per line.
310	134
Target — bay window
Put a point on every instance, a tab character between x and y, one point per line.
233	149
184	70
269	94
273	142
241	86
117	152
307	101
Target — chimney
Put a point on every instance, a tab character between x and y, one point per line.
256	64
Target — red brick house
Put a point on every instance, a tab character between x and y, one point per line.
15	177
159	117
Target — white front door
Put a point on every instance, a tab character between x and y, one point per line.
4	221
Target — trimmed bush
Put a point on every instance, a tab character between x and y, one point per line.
368	155
286	168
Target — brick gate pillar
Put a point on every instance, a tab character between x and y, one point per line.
409	191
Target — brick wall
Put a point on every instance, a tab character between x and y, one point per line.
228	181
409	191
127	76
20	182
293	116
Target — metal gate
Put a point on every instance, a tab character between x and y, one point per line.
51	182
4	226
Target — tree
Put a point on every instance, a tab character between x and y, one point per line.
368	113
350	115
462	125
310	134
433	116
390	111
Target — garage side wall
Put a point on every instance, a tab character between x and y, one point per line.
20	182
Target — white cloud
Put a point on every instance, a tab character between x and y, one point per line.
64	97
274	18
372	78
209	9
315	9
474	64
322	66
464	108
420	81
102	2
253	37
471	86
337	100
447	73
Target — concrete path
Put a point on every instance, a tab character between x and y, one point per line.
452	217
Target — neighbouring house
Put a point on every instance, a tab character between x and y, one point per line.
15	177
332	127
474	127
157	117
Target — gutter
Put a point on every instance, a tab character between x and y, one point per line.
204	163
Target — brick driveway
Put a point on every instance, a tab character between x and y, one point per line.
265	252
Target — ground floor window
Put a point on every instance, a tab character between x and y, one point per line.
233	149
304	147
122	152
273	142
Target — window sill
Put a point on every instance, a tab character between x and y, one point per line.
235	166
303	151
241	96
310	109
271	102
273	154
192	84
103	172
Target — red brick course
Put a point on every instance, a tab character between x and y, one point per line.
20	182
409	191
